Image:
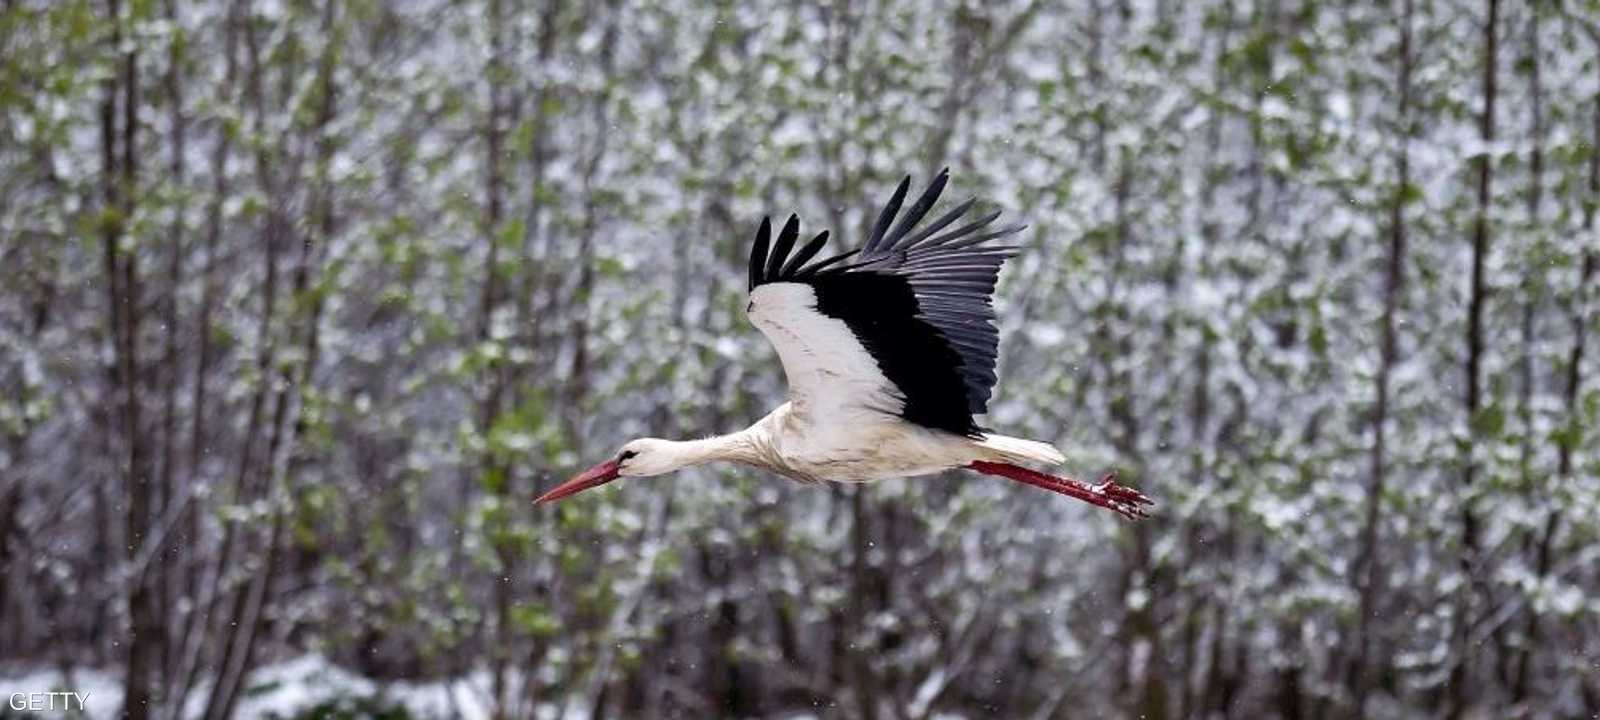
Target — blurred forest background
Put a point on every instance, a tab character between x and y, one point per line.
302	302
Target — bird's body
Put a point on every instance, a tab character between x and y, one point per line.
873	447
890	353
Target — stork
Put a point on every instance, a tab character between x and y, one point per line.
889	351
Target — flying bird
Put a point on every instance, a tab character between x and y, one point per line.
889	350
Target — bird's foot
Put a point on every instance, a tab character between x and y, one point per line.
1126	500
1109	494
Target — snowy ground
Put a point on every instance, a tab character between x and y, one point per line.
281	690
288	688
285	689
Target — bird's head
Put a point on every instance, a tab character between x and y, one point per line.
637	458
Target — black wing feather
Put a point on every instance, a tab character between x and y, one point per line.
910	243
758	253
806	253
817	267
780	250
886	217
963	231
920	303
919	208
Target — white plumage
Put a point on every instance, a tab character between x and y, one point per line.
889	352
830	374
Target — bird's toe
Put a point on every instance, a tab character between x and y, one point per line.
1123	495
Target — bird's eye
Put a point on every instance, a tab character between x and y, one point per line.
627	454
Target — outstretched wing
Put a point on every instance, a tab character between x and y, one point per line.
903	325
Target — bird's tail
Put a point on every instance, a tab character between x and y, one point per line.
1005	448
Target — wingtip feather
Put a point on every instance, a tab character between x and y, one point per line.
810	250
887	216
780	249
758	252
918	210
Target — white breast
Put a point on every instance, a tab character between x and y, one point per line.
859	448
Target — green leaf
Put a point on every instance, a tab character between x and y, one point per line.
1489	422
1410	193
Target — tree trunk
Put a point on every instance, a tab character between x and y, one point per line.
1569	437
1371	575
1461	673
170	576
864	678
192	639
496	73
237	630
122	282
1519	678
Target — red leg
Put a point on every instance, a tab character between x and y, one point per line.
1108	494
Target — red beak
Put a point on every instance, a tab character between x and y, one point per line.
593	477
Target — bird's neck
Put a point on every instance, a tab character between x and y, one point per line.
733	447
